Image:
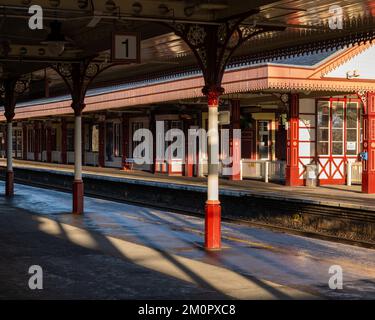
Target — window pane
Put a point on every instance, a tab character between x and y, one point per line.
337	135
337	148
323	128
323	114
337	114
351	135
323	148
351	115
95	139
323	135
70	139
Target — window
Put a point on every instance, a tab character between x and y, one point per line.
53	139
17	143
337	128
70	139
352	128
95	138
136	126
323	128
30	140
168	125
117	145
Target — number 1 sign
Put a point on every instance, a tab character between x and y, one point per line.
126	47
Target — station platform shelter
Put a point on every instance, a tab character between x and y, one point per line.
295	114
80	78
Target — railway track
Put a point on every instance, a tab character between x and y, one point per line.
248	221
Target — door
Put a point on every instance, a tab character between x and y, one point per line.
264	139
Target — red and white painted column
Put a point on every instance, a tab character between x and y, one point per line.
368	172
213	207
78	188
235	142
292	165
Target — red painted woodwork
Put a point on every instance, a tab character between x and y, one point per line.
212	225
292	158
64	132
9	184
235	144
78	192
101	155
368	173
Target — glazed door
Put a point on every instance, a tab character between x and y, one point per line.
264	139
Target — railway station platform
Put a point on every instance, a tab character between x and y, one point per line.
335	212
119	251
333	195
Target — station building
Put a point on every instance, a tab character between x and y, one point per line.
293	112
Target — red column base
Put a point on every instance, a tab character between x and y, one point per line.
9	184
212	239
292	177
189	170
78	194
368	182
235	177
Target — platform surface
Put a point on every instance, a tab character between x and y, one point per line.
331	195
124	251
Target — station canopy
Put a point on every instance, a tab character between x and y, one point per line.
84	29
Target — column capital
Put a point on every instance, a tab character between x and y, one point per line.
78	108
213	93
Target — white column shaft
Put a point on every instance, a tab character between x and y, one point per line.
213	154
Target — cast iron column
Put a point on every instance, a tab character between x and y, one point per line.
78	188
213	207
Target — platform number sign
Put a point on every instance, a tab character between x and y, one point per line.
126	48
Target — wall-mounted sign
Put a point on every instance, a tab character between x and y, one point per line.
351	146
224	117
126	47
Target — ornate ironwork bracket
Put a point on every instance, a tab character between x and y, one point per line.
78	77
363	96
214	45
10	89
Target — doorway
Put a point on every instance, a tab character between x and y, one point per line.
264	139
